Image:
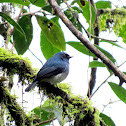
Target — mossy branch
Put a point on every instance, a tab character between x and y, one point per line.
14	108
78	108
16	64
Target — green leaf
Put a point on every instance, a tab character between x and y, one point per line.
107	120
122	33
22	2
39	3
106	53
95	64
52	32
47	48
43	3
119	91
21	44
72	16
103	4
44	112
112	43
86	12
48	8
12	22
80	47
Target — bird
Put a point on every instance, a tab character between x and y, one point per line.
53	71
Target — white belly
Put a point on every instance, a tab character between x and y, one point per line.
58	78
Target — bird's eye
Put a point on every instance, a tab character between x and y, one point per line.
66	55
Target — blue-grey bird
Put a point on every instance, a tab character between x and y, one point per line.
53	71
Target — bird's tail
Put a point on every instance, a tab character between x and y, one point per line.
31	86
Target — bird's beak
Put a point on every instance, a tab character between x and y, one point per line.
70	57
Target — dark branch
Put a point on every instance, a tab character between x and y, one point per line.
91	47
96	41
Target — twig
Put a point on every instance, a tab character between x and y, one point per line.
101	84
85	42
17	18
110	102
43	122
105	80
93	36
35	56
90	19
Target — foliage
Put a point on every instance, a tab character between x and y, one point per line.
22	43
107	119
52	40
119	91
115	19
64	111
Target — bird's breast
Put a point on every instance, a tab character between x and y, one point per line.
58	78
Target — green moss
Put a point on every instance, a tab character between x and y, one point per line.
16	64
80	106
65	87
13	107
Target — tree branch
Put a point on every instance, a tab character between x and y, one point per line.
96	41
91	47
14	108
16	64
82	105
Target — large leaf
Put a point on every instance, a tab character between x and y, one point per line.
47	48
112	43
86	11
12	22
80	47
21	44
106	53
22	2
119	91
103	4
107	120
44	112
95	64
52	32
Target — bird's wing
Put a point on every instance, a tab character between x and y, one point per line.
48	72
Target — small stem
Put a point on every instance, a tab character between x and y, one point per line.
35	56
106	80
46	121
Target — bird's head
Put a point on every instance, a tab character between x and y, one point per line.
64	56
